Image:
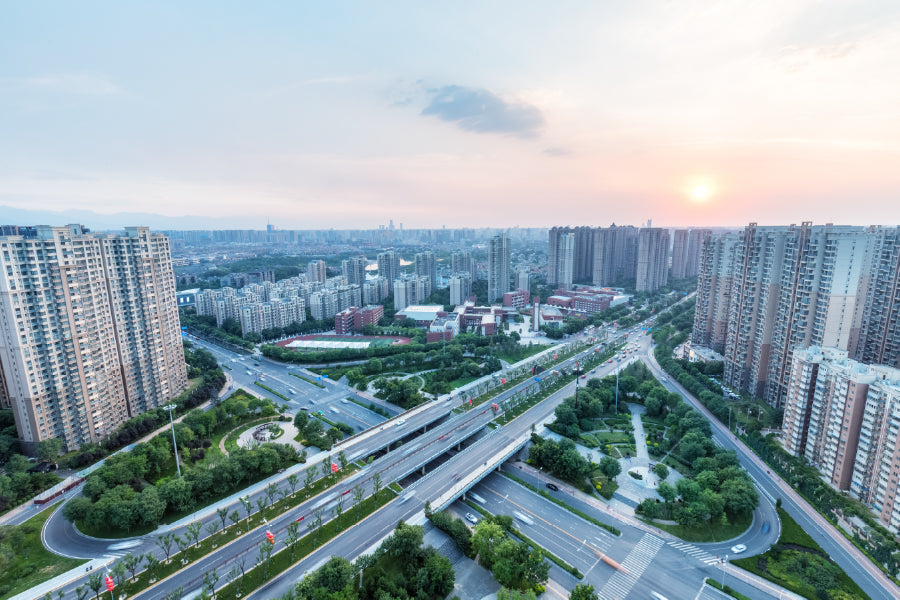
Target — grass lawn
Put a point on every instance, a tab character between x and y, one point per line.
709	532
527	351
32	564
795	559
613	438
727	590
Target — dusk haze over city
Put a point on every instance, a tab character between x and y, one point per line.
403	300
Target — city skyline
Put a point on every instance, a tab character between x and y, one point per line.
318	116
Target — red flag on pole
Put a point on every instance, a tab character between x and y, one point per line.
334	468
109	583
470	402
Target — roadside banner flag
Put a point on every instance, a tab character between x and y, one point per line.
270	537
334	468
109	583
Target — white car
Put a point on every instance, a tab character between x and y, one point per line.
471	518
739	548
401	422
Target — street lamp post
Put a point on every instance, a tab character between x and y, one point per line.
170	408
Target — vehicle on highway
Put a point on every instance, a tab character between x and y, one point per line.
292	390
249	372
739	548
553	486
401	422
471	518
125	545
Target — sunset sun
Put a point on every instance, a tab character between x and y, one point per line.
700	192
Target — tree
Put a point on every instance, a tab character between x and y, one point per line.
192	533
95	582
583	591
485	540
152	564
292	537
212	528
48	450
308	481
118	573
132	563
436	577
358	495
376	486
293	480
610	467
666	491
150	507
81	592
223	514
338	511
661	470
234	517
166	541
210	579
263	554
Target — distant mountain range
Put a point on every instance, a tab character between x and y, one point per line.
118	221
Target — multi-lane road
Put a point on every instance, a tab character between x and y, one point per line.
872	581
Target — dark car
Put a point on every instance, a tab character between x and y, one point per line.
552	486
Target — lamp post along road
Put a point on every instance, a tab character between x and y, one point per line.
170	408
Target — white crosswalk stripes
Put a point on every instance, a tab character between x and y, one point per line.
694	551
619	585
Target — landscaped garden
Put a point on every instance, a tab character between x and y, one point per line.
799	564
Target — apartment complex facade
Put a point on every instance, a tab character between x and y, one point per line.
389	265
317	270
843	416
652	259
686	246
460	288
498	267
354	269
765	291
90	331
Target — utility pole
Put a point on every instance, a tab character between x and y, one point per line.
170	408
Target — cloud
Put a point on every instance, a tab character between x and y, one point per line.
74	83
482	111
556	151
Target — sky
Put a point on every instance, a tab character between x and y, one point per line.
348	114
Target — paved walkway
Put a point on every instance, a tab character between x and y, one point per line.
245	440
634	490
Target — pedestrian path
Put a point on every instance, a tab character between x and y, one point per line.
619	585
694	551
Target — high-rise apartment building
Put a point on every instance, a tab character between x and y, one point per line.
785	288
90	331
354	269
409	290
463	261
843	416
316	270
389	265
523	279
879	335
686	251
652	259
570	255
498	267
614	256
460	288
426	267
561	258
